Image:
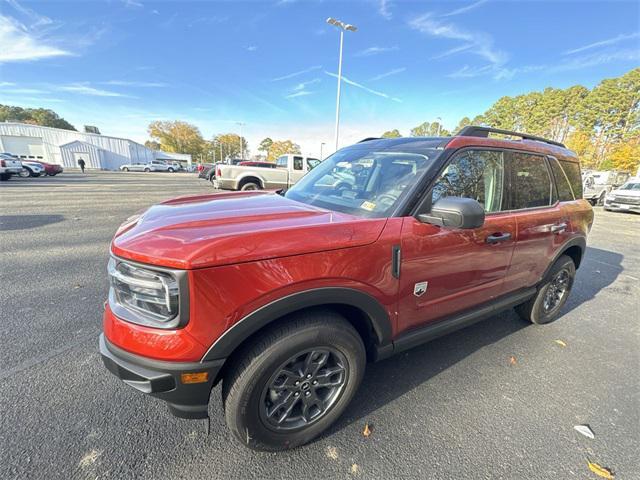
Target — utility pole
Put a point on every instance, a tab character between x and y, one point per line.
321	145
240	124
343	27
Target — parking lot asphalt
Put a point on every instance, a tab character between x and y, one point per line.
496	400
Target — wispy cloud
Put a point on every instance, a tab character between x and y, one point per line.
465	9
482	42
452	51
303	93
604	43
296	74
84	89
25	91
252	48
366	89
367	52
132	4
303	85
125	83
6	84
384	9
395	71
20	43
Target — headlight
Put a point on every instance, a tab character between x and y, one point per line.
145	295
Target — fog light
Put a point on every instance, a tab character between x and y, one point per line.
199	377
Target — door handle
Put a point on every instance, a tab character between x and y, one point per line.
498	237
560	228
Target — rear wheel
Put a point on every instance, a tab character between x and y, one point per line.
147	170
250	186
125	169
552	293
25	172
170	170
294	381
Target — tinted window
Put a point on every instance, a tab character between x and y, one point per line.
476	174
562	184
297	163
282	161
572	169
312	163
530	182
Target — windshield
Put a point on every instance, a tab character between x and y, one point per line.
362	182
630	186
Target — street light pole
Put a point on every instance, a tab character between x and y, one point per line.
439	125
321	145
241	146
343	27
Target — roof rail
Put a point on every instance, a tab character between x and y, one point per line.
474	131
368	139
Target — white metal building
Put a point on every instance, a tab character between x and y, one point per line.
66	147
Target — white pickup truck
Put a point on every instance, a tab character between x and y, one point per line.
289	169
9	165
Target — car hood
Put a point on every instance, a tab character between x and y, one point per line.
228	228
626	193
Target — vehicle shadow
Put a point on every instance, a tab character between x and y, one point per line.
598	270
25	222
387	380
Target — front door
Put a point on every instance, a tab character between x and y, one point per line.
447	270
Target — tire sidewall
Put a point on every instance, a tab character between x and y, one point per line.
537	312
244	187
247	421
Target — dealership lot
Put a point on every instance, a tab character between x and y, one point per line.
496	400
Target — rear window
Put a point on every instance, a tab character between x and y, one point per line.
531	183
572	170
562	183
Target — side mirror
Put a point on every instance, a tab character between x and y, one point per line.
455	212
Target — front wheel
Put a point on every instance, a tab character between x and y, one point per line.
294	381
170	170
125	169
147	170
552	293
250	186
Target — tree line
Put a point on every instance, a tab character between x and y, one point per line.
34	116
182	137
602	124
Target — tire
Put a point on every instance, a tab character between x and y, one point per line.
25	173
147	170
250	186
538	309
125	169
247	397
170	170
4	177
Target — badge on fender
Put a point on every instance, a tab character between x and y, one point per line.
420	289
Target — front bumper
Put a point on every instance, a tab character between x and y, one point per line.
163	379
621	207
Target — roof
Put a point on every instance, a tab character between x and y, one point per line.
80	142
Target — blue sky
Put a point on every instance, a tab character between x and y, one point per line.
272	64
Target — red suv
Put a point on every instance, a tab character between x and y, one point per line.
284	296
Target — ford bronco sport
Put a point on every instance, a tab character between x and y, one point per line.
284	296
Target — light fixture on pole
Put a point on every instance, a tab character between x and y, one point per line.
321	145
240	124
343	27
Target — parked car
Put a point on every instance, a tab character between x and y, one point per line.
31	169
152	166
598	184
258	164
51	169
289	169
283	297
9	165
204	171
626	198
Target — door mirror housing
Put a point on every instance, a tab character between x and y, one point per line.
454	212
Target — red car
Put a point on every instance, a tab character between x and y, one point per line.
284	297
51	169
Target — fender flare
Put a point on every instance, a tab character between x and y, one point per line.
574	242
224	346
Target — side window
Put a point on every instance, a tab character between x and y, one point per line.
562	183
476	174
282	161
572	169
530	182
297	163
312	163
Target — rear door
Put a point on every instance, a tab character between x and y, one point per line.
447	270
542	222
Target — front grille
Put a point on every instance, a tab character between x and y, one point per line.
626	199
